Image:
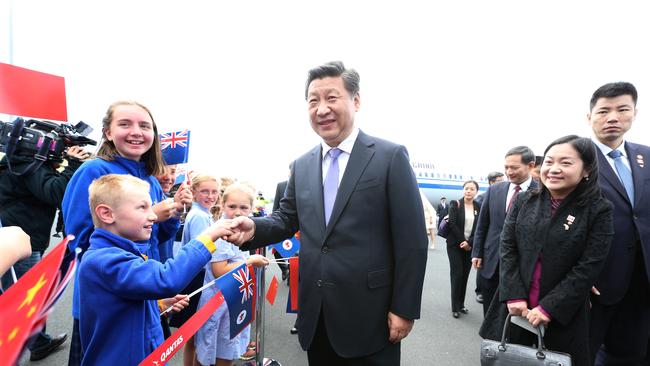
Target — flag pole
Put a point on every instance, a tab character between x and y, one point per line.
259	318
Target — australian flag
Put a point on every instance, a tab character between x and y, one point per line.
238	289
287	247
175	147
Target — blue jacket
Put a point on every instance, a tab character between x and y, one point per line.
76	210
119	318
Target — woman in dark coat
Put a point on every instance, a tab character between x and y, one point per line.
553	246
462	224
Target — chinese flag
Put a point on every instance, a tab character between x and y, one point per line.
21	305
273	291
293	283
30	93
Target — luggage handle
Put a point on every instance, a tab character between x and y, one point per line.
540	340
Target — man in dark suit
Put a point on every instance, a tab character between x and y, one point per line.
620	313
279	193
498	199
363	253
442	210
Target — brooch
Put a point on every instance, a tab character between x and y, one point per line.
569	222
639	160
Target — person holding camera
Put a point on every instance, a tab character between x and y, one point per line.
30	202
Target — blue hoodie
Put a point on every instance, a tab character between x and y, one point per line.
76	209
119	318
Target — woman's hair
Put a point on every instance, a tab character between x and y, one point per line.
239	187
152	159
471	181
588	188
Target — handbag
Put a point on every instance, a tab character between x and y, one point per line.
496	353
443	227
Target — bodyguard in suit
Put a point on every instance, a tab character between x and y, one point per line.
498	199
442	210
620	313
355	200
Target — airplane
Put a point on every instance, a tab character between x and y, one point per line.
436	183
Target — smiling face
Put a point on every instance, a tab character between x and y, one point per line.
331	109
132	215
562	170
206	193
131	131
611	118
167	180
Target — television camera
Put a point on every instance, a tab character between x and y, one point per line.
42	140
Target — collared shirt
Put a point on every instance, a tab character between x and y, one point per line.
606	150
511	189
346	147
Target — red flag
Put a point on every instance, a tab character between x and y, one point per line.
24	306
272	291
29	93
293	282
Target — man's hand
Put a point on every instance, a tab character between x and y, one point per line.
178	303
536	317
398	327
519	308
77	152
183	198
476	262
243	230
465	246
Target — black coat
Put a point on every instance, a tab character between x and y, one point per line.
30	201
457	223
573	256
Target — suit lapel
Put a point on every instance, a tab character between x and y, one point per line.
359	158
315	174
609	175
637	171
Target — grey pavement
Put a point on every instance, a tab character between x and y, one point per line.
437	338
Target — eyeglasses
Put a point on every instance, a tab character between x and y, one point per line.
207	192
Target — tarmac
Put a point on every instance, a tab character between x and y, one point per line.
437	338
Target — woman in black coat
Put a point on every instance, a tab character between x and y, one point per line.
462	224
553	246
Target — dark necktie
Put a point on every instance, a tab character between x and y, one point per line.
624	173
331	183
512	199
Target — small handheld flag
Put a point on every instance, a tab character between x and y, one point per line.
175	147
287	247
238	289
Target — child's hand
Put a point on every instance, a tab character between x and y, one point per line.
257	260
179	302
219	229
183	198
164	210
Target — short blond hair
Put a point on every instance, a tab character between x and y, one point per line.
239	187
200	178
109	189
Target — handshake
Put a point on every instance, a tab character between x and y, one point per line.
236	231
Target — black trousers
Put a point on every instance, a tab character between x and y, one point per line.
321	352
460	264
489	287
622	329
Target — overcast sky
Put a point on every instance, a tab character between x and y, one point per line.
457	82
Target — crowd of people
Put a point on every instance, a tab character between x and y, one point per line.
567	248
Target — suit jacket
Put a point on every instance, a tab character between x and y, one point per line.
279	193
371	257
631	225
490	223
572	260
442	211
457	224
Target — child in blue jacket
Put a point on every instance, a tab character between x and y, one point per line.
119	317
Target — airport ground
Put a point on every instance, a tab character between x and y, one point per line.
437	338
